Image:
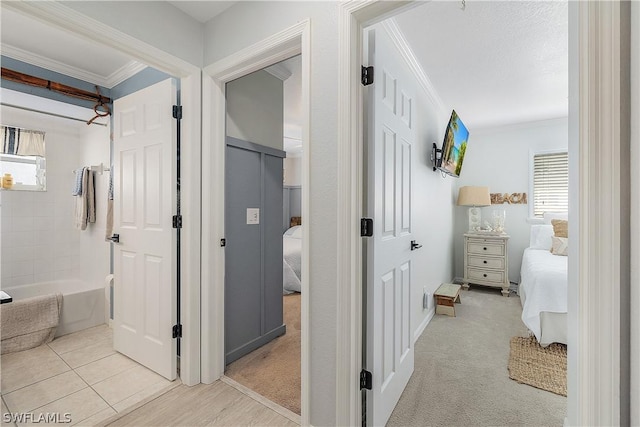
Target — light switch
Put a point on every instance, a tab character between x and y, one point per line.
253	216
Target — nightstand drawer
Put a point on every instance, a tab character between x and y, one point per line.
485	262
485	275
485	248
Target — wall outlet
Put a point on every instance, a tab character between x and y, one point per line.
426	299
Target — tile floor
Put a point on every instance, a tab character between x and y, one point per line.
79	374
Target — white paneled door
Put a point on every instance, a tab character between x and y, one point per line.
389	337
144	153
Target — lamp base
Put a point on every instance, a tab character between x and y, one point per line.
475	219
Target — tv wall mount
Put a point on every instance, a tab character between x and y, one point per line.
436	155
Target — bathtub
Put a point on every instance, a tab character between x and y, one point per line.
83	305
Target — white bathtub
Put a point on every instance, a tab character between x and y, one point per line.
83	305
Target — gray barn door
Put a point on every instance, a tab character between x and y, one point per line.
253	253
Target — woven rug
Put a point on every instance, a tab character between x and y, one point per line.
544	368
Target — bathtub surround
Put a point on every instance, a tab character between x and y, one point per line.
82	306
39	243
29	323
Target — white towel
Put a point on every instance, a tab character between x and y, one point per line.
85	209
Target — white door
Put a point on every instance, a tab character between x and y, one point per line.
389	336
144	201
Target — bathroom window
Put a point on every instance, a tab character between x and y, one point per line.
23	158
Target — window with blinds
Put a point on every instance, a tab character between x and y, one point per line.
550	183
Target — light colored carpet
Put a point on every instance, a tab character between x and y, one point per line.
273	370
542	367
461	376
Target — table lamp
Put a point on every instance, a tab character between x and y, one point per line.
474	197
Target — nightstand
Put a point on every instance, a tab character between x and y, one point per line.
486	261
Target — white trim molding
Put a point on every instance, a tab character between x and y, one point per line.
635	213
602	222
283	45
118	76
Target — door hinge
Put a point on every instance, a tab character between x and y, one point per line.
177	331
177	112
177	221
223	242
367	75
365	379
366	227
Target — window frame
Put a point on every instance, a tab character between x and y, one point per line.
532	155
16	158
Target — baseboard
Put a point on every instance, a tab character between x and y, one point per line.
423	325
256	343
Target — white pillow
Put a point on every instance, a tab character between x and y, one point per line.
294	232
560	246
540	237
548	216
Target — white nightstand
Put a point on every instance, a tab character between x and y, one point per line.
486	261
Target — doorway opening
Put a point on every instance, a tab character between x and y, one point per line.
263	252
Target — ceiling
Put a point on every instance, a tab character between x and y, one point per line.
496	63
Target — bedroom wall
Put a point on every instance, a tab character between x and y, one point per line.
293	170
499	158
255	109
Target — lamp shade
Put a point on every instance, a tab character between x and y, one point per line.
474	196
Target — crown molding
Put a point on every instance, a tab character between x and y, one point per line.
392	29
278	71
55	13
118	76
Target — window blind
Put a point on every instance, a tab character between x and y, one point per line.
550	183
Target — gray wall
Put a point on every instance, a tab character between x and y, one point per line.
253	254
255	109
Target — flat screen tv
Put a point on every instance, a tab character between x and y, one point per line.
454	146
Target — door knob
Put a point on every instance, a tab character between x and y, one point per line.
415	245
115	238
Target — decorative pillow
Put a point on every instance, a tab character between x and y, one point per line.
540	237
560	227
548	216
560	246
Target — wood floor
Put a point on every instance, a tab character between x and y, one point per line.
216	404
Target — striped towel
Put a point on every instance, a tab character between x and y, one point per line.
77	188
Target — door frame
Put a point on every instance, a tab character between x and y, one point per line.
594	118
70	20
283	45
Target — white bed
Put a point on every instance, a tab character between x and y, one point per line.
543	288
292	259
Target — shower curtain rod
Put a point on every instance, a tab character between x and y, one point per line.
4	104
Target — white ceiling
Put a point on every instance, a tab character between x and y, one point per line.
495	62
203	11
57	50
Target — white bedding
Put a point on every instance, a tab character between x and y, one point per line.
543	288
292	260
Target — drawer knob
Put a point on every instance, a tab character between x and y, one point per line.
485	261
484	249
484	275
